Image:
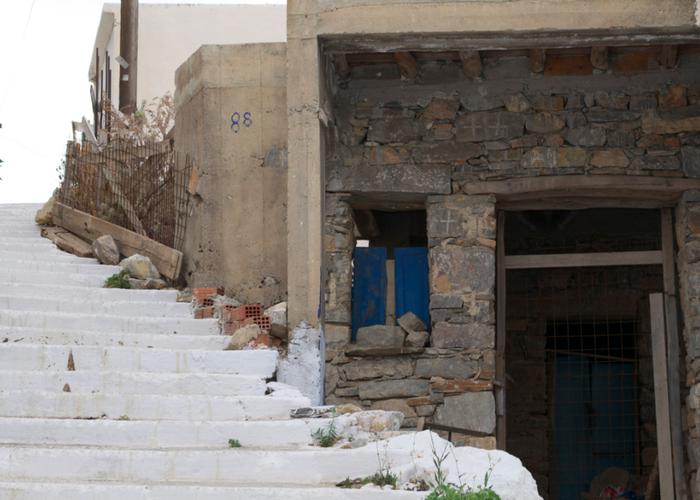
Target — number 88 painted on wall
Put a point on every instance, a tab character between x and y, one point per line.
236	121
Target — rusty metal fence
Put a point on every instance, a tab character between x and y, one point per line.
139	187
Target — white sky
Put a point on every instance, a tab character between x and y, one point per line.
45	50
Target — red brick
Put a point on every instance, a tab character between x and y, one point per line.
201	294
204	312
234	326
233	313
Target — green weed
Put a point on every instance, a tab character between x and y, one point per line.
118	280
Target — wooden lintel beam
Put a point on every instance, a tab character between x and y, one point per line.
598	259
627	186
599	57
669	56
341	66
407	64
537	59
471	63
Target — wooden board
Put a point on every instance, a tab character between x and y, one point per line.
168	261
673	352
67	241
661	397
550	261
662	190
500	333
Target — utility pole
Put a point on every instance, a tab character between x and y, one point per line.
129	49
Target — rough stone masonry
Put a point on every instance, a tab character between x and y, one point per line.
427	140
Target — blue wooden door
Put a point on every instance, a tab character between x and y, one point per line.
368	288
594	420
412	292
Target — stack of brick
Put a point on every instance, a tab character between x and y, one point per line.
211	303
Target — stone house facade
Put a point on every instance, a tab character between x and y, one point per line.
549	166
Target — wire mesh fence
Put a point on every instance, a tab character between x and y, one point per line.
139	187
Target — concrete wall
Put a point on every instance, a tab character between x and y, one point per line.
236	232
170	33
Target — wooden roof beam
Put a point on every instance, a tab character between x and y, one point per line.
471	63
599	57
537	60
669	56
407	65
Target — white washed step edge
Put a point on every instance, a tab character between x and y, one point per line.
25	302
163	434
116	491
164	384
74	292
26	336
255	362
108	323
236	466
41	404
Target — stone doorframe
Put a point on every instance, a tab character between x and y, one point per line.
680	258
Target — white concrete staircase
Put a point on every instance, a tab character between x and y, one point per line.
153	397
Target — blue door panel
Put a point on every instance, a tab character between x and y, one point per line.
412	290
368	288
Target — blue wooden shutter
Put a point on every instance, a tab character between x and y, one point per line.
412	290
368	288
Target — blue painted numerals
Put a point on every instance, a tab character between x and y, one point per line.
236	122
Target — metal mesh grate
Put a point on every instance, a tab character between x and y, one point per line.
580	377
142	188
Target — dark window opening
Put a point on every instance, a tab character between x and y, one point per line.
390	268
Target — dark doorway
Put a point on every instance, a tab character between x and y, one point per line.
580	403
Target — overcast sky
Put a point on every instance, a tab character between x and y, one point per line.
45	50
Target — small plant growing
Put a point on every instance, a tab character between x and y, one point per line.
118	280
234	443
448	491
327	437
383	477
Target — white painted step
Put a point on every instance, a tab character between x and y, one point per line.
55	256
8	230
80	267
259	362
15	275
237	466
164	434
116	491
26	302
41	404
109	323
38	246
89	382
100	339
73	292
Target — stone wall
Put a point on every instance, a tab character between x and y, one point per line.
425	137
451	381
688	262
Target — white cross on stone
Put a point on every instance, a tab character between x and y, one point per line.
448	221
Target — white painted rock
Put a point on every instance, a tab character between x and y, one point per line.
463	465
106	250
243	336
140	267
